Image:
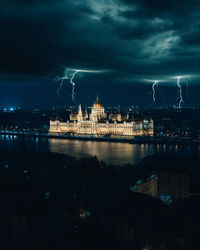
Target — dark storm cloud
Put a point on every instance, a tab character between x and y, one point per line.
131	39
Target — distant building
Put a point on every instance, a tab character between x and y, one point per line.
100	124
166	186
147	186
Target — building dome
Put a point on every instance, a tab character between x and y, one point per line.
97	104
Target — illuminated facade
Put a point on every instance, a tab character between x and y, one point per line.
98	123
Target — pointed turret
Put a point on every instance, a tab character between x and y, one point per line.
79	115
79	109
97	98
85	115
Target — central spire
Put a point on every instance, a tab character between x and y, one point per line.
97	98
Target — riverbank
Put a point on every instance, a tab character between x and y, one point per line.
135	140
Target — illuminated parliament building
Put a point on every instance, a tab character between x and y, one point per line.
99	123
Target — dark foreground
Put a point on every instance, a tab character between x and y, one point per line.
53	201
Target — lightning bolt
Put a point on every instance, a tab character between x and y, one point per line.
71	79
188	96
73	85
153	90
180	93
69	74
60	87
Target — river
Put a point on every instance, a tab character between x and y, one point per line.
114	153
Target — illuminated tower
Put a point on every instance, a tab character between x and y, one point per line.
79	115
85	115
98	111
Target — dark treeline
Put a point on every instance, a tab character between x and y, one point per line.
54	201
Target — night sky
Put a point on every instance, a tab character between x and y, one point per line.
126	44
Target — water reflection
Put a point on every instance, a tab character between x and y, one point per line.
111	153
115	153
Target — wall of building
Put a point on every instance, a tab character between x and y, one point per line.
90	127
